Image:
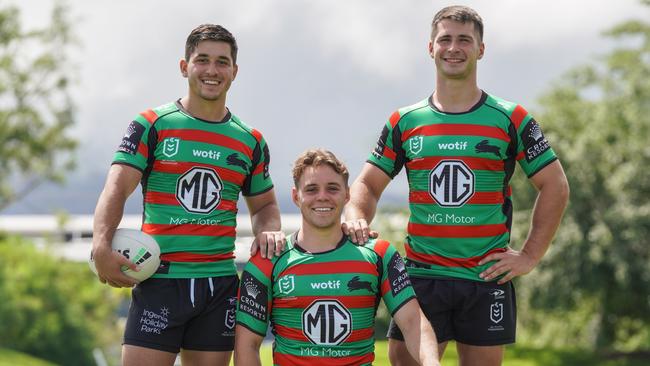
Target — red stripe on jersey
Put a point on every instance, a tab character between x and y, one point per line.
263	264
287	359
331	267
518	116
189	229
456	129
258	169
389	153
301	302
143	150
174	167
447	261
456	231
381	246
430	162
257	134
486	198
160	198
520	156
394	118
149	115
195	257
385	287
298	335
208	138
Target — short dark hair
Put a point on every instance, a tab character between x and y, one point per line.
458	13
210	32
318	157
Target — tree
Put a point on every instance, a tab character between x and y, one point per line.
51	308
36	110
598	121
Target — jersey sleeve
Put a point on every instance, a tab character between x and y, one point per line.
134	149
396	288
259	179
255	295
533	150
388	154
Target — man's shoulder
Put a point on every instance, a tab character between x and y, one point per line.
500	104
411	110
377	246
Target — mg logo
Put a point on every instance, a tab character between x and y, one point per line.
451	183
199	190
326	322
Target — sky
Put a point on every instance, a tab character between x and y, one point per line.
316	73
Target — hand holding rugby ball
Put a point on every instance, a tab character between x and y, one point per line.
140	248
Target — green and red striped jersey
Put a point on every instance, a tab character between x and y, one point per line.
193	171
322	306
459	167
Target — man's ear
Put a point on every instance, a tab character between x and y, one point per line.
294	196
183	67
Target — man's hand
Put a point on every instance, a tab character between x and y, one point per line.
358	231
511	262
109	263
269	243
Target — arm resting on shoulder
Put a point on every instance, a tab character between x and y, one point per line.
364	196
265	220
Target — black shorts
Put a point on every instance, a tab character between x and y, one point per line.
470	312
189	313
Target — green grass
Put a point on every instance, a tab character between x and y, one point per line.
515	356
14	358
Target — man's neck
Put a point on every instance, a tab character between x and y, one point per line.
209	110
318	240
456	96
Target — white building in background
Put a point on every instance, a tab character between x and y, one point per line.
71	236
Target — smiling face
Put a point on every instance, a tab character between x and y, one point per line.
456	48
320	194
210	70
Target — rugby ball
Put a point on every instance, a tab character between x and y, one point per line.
140	248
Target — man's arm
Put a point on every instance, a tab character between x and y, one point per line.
247	347
120	183
265	220
419	336
552	198
364	196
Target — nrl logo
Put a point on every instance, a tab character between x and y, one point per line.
170	146
286	284
415	144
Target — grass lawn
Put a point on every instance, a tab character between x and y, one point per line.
13	358
515	356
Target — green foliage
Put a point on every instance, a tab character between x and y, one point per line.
50	308
596	276
36	109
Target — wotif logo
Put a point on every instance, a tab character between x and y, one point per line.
207	154
453	145
326	285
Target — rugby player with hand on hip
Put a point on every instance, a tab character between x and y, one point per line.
460	147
